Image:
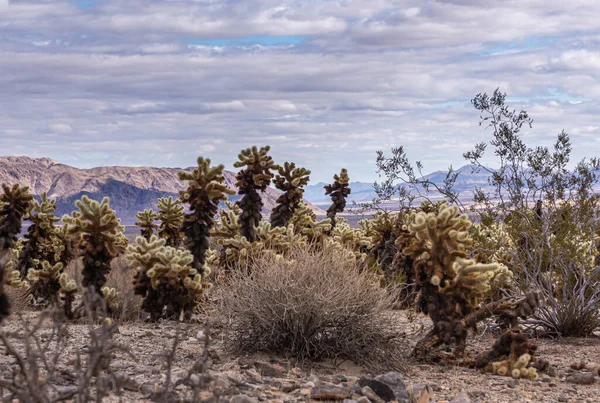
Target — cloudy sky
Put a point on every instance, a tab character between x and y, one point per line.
325	82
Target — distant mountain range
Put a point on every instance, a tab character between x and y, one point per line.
469	178
131	189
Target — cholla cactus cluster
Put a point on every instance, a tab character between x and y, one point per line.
165	278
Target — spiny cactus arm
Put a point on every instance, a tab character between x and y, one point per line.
145	221
229	226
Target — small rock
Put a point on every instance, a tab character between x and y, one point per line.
289	386
362	399
512	383
581	378
268	369
329	392
381	389
563	399
219	384
461	398
545	378
368	392
396	383
148	388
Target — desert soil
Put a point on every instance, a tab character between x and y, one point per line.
262	377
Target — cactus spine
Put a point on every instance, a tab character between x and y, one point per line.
255	177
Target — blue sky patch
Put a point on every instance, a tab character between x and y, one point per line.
86	3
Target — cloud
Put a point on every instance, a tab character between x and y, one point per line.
325	83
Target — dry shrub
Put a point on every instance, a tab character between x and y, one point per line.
125	306
310	305
120	278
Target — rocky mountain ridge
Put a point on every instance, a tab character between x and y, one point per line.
131	189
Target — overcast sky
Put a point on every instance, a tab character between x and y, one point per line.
326	83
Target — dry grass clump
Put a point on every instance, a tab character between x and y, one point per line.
310	305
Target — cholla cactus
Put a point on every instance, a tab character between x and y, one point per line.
68	290
146	222
171	287
12	277
99	238
305	222
16	202
38	235
171	216
290	180
449	283
512	355
339	191
205	190
353	240
45	282
255	177
142	256
389	236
